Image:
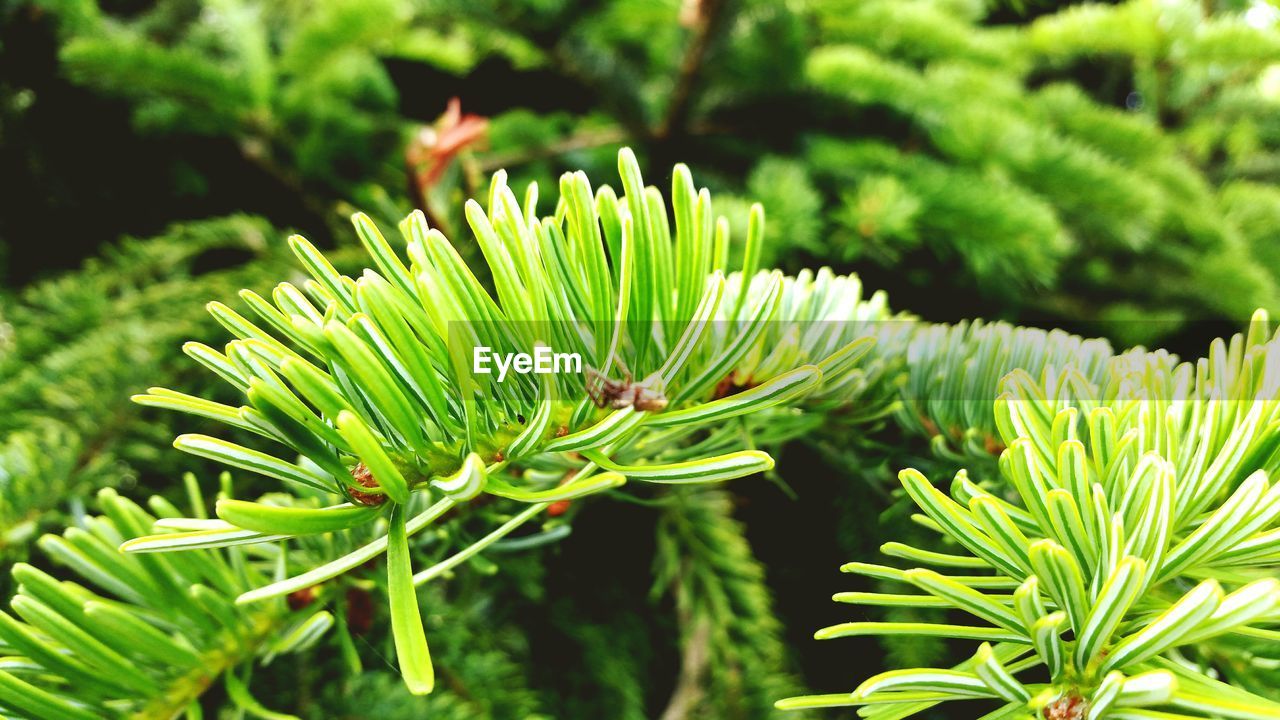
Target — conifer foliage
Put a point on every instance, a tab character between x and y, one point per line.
249	466
374	390
1132	516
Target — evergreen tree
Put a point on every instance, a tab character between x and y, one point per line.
604	545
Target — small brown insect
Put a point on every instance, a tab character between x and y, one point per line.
618	394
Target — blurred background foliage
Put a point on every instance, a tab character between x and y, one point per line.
1111	169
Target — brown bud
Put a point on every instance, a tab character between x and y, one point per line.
361	475
930	426
993	445
724	387
299	599
1067	707
359	610
560	507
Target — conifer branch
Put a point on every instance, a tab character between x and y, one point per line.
371	380
142	637
1134	514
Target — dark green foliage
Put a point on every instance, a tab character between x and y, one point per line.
296	88
1108	168
138	636
1036	183
733	657
79	345
1043	167
485	669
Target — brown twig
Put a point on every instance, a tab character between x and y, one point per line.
584	140
704	17
693	664
256	150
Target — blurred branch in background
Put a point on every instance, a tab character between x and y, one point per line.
954	149
703	18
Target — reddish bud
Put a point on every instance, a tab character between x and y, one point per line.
361	475
299	599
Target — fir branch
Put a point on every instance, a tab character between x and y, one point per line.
73	363
143	637
733	658
704	18
370	380
1135	516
